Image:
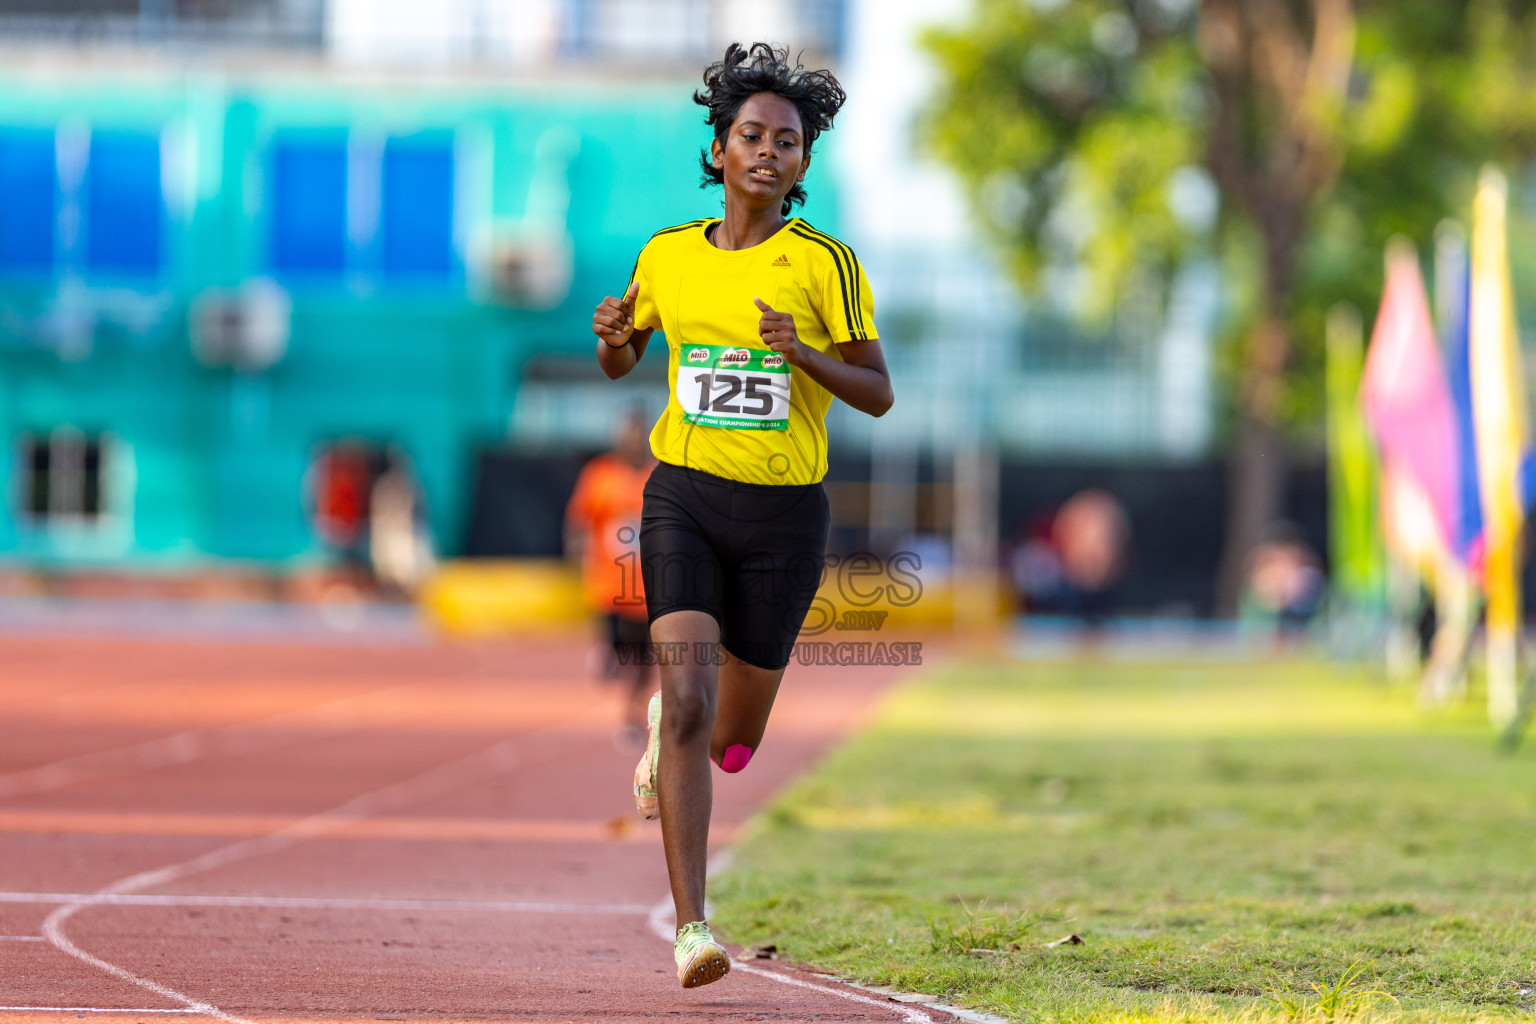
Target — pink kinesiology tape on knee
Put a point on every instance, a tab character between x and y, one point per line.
735	757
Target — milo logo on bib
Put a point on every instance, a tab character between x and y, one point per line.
733	387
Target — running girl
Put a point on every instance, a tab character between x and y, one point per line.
766	321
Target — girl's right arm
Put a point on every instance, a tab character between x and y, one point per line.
619	345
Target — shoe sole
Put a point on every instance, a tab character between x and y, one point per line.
649	807
708	965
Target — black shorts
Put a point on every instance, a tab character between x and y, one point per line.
751	555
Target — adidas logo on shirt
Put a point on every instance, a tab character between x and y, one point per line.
782	261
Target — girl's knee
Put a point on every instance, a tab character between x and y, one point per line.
687	711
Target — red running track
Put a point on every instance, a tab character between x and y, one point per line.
272	831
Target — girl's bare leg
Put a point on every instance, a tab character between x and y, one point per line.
706	710
683	786
745	701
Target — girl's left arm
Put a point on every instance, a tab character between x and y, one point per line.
859	378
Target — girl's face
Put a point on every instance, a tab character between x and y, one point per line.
764	154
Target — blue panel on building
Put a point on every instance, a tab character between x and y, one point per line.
124	207
309	207
417	208
28	200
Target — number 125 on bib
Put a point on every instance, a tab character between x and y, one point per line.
735	388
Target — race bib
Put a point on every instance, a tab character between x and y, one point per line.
733	386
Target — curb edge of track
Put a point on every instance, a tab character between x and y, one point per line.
660	920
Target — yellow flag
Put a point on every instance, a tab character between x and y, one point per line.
1499	418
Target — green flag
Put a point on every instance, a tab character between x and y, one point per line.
1354	527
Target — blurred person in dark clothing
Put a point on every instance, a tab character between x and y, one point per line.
1285	581
1091	535
1035	566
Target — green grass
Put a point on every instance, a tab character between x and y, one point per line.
1270	841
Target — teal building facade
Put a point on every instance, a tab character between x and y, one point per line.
208	282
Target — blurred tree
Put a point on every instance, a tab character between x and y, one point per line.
1106	142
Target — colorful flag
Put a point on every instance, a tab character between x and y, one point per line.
1404	392
1467	537
1499	419
1354	537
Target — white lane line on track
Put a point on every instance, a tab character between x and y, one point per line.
89	1009
488	763
22	938
908	1013
662	919
663	922
307	903
53	930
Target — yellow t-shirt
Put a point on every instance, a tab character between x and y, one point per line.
737	409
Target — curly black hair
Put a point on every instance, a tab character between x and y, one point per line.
728	83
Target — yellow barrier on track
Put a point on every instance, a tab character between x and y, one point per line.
493	597
489	598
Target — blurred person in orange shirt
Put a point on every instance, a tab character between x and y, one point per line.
603	533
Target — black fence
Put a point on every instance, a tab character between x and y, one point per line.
1176	514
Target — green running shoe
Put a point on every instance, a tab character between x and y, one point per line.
645	772
700	959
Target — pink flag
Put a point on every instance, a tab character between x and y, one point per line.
1404	390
